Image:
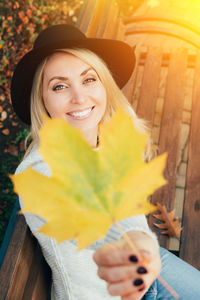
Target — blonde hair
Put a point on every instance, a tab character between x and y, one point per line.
115	98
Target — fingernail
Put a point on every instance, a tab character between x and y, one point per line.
141	270
138	282
133	258
141	289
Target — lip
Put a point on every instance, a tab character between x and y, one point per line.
78	117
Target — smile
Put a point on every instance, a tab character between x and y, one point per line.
79	115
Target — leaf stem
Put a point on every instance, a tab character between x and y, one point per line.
136	252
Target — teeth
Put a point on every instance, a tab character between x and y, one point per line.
81	113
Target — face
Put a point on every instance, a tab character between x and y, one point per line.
73	91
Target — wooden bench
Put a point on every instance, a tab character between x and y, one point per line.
156	91
166	91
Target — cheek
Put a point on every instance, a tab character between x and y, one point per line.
104	100
53	105
101	96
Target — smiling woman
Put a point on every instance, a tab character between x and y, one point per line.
76	85
78	79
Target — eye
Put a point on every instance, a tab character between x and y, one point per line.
59	87
89	79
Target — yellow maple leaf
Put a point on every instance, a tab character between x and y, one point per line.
89	190
153	3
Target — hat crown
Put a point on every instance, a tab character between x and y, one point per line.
56	34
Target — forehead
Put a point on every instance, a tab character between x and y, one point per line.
61	61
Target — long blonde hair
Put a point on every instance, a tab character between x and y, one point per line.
115	97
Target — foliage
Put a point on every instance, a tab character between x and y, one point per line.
89	190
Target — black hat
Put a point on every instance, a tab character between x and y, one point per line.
118	56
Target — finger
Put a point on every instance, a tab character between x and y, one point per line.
114	274
153	267
123	288
142	279
136	295
110	255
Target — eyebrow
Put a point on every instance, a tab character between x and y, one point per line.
66	78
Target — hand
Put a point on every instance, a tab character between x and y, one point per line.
129	275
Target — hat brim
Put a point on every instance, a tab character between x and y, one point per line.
119	57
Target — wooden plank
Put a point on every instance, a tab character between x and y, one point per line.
38	285
81	14
22	269
23	265
165	60
189	37
119	30
190	238
111	18
97	17
42	289
170	19
12	255
150	84
86	15
170	130
129	88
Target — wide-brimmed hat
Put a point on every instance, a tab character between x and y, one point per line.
118	56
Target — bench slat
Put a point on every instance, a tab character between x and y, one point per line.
150	84
119	33
110	18
22	269
129	88
170	131
12	256
97	18
190	238
23	265
86	15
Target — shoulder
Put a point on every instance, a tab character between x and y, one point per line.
34	160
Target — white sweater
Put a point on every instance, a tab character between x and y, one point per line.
74	272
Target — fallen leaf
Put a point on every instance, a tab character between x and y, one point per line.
170	225
6	131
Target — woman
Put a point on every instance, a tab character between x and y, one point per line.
68	76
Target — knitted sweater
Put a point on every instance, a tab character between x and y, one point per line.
74	273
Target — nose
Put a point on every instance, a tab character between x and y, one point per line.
77	95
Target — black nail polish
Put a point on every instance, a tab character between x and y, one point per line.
133	258
141	270
138	282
